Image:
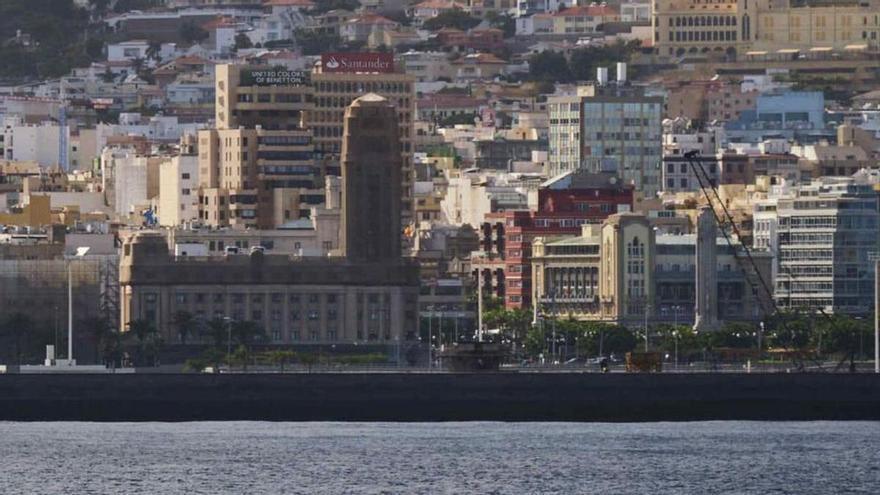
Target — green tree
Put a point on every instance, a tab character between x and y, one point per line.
549	66
241	356
153	50
314	43
458	119
102	335
245	333
504	22
193	34
307	359
535	341
323	6
145	342
455	18
185	324
242	42
845	337
584	61
281	357
217	332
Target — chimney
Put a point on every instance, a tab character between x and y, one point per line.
602	75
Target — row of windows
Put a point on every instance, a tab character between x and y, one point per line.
363	87
714	20
702	36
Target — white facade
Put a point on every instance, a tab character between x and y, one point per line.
40	143
127	51
124	179
178	190
633	12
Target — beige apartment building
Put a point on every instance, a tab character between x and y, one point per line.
257	168
333	92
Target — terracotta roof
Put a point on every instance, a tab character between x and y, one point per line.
193	60
589	10
218	23
289	3
438	4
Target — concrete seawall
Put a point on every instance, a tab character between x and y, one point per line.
440	397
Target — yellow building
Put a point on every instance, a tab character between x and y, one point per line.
255	167
35	214
737	26
806	28
334	91
703	26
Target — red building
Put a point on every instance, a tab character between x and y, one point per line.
564	205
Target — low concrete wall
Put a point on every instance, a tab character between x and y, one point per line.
441	397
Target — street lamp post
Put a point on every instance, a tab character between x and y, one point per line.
675	338
430	340
80	252
228	321
875	257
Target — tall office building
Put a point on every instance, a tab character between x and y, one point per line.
257	168
339	80
609	127
822	235
371	169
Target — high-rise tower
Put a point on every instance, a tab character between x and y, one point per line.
371	168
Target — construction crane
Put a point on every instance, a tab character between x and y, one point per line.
706	186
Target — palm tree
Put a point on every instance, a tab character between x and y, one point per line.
101	332
216	330
185	323
153	50
246	332
147	341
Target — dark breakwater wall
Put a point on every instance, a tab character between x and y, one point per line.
440	397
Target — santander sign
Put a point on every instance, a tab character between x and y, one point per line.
357	62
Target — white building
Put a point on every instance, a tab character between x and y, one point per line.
40	143
635	12
130	184
822	235
178	190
